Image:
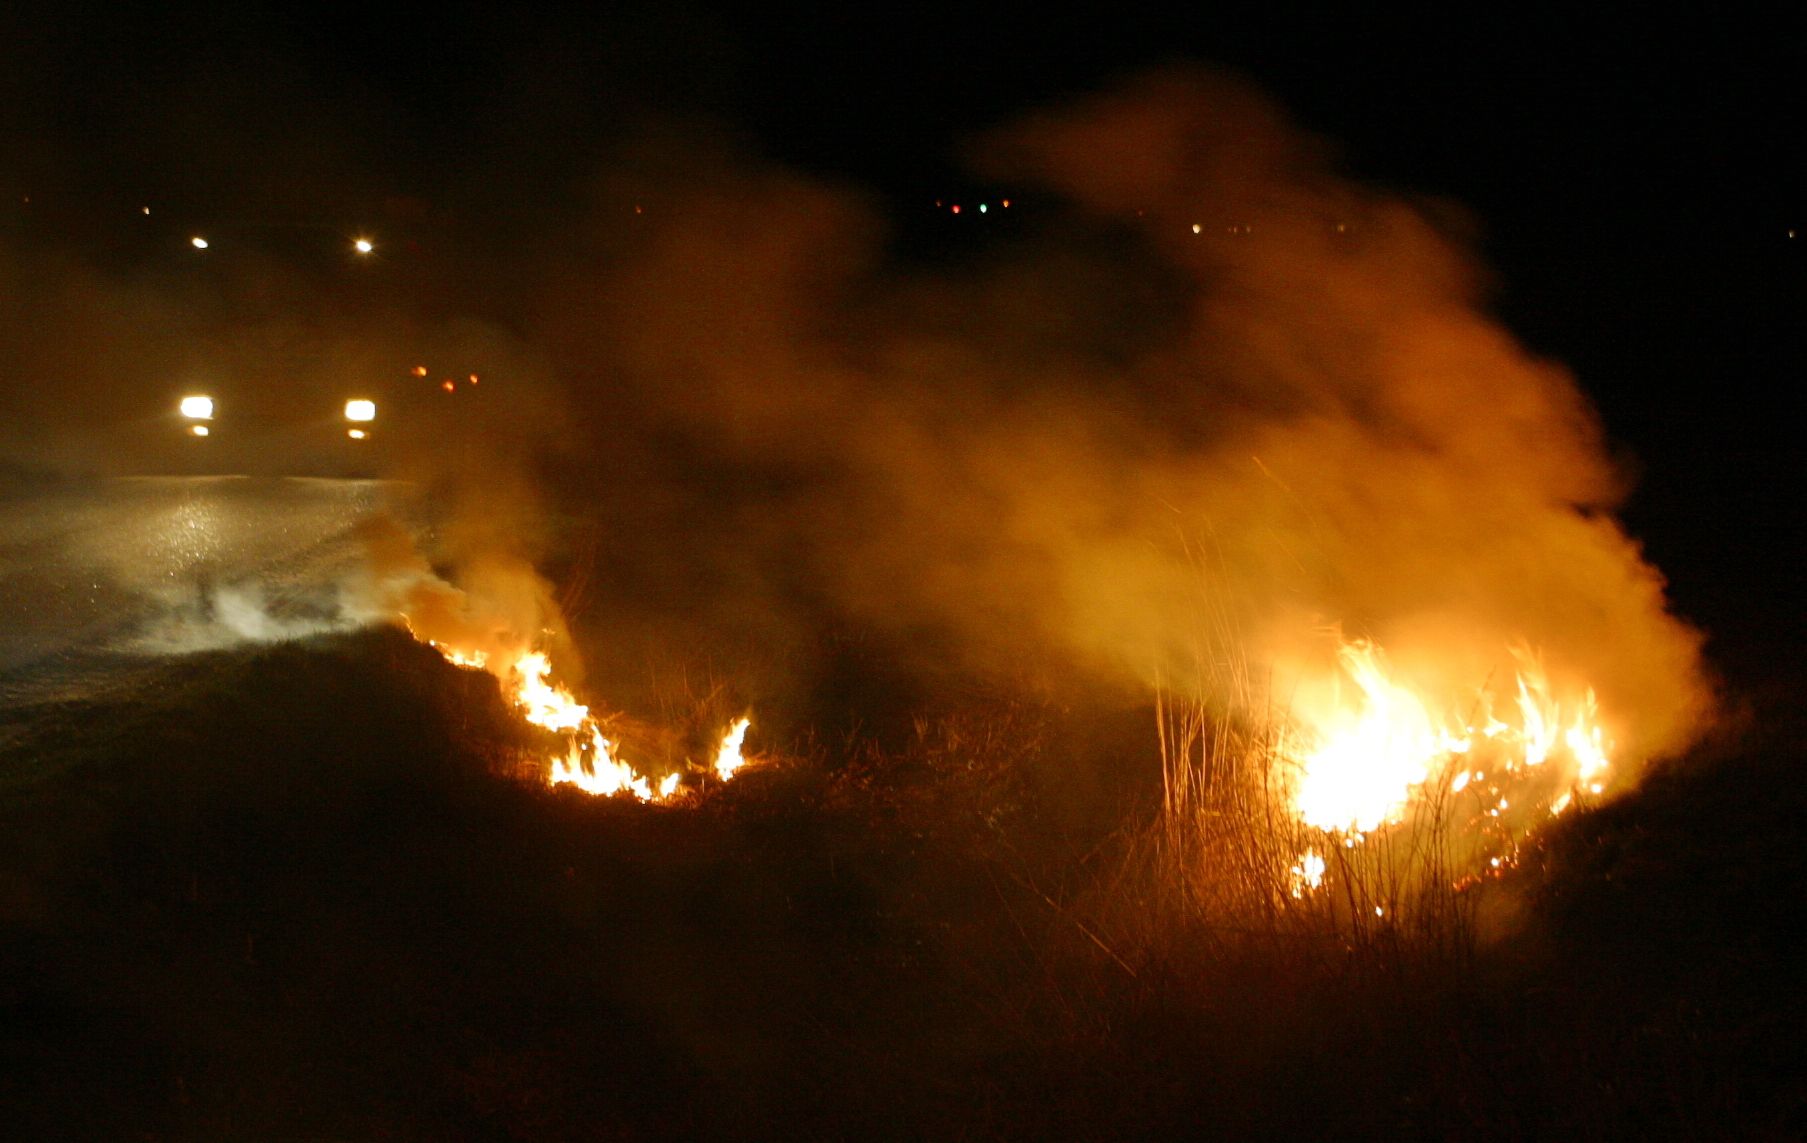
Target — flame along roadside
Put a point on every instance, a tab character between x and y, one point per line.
591	761
1363	757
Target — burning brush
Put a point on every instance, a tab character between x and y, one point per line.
591	760
1364	752
480	629
1373	792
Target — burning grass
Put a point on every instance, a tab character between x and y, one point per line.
311	894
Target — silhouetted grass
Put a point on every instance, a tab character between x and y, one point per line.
303	893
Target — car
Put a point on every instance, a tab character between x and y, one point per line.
218	434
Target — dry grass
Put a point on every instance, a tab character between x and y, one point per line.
296	901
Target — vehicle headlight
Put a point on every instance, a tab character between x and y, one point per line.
197	408
360	409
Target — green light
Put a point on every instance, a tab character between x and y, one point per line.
981	208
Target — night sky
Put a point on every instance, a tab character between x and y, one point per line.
1632	179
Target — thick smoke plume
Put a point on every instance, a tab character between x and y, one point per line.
1195	401
1215	402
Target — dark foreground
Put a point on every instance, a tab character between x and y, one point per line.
285	895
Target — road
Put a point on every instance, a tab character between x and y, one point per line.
101	582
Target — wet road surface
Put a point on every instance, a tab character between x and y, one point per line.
102	582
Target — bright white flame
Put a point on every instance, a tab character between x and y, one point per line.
360	409
728	759
198	242
197	408
1308	874
362	246
546	705
198	430
1366	755
1367	746
592	767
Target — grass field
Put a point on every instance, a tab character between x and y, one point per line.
295	893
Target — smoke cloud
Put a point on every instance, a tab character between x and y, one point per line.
1193	403
1211	401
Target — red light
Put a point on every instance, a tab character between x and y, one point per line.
447	385
956	208
420	370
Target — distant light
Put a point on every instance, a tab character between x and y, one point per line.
356	434
419	370
360	409
956	208
147	210
447	385
982	208
199	430
1791	234
198	242
1197	228
939	204
637	209
362	246
197	409
473	378
1006	204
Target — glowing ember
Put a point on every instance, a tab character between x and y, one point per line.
475	660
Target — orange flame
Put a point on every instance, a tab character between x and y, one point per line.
590	761
1367	750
